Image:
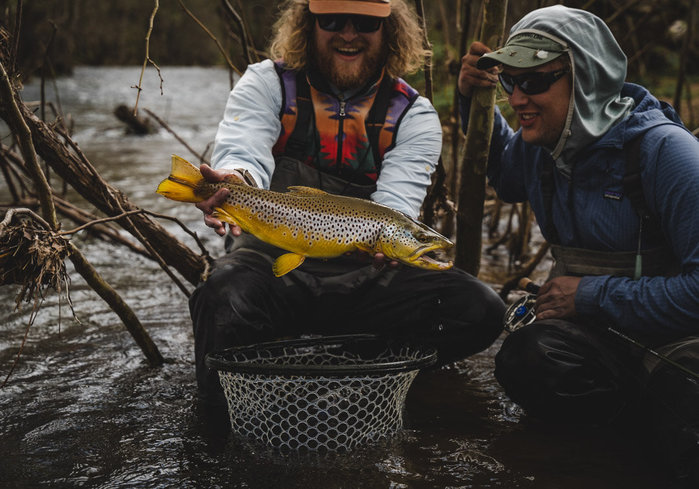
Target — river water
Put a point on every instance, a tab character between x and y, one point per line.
83	409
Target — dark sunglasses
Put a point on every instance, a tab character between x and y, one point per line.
531	83
336	22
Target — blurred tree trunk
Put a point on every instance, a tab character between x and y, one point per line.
469	216
684	57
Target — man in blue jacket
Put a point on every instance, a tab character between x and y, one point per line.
613	177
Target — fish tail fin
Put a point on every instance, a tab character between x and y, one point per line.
183	180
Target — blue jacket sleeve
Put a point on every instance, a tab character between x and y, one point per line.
659	306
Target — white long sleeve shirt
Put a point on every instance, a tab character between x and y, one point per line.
251	126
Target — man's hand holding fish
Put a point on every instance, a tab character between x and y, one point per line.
207	206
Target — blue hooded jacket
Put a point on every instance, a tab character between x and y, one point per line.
590	162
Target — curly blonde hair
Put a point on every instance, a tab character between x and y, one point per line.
403	35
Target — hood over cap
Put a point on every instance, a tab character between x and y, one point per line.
523	50
598	70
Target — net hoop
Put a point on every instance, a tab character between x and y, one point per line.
332	393
260	358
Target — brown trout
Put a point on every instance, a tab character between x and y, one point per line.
309	222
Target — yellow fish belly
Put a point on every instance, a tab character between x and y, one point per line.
308	222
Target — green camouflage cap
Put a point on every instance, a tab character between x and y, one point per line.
525	50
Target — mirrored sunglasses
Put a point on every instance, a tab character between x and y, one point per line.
531	83
336	22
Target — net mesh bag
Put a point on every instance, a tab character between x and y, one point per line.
330	393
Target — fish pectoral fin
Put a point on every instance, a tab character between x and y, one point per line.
221	214
308	191
286	263
365	249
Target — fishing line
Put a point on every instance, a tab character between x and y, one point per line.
521	313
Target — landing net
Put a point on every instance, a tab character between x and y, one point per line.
330	393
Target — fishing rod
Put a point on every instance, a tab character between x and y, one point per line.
522	313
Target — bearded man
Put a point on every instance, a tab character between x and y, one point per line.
332	113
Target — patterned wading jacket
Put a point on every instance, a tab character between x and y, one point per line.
347	137
262	113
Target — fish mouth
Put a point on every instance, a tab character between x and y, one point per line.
432	257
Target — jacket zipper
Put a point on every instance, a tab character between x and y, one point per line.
342	115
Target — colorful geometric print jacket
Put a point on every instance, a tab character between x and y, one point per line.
346	138
251	127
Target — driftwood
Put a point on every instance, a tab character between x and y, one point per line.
40	242
110	296
75	169
134	124
31	254
13	169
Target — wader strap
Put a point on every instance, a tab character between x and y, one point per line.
547	194
633	186
341	274
377	117
289	171
297	144
578	262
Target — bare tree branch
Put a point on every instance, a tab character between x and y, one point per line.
147	60
208	32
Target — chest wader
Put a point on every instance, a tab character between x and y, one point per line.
389	101
342	274
555	370
658	261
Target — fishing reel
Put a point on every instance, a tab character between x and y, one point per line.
520	313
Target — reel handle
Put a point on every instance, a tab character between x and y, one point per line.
526	284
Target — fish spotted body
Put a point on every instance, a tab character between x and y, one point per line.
309	222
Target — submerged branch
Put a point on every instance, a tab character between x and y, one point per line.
110	296
74	168
201	157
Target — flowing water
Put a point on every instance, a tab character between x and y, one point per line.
83	409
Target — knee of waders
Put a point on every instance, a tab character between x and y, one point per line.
555	375
672	398
472	316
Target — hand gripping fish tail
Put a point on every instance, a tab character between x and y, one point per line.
309	222
185	183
